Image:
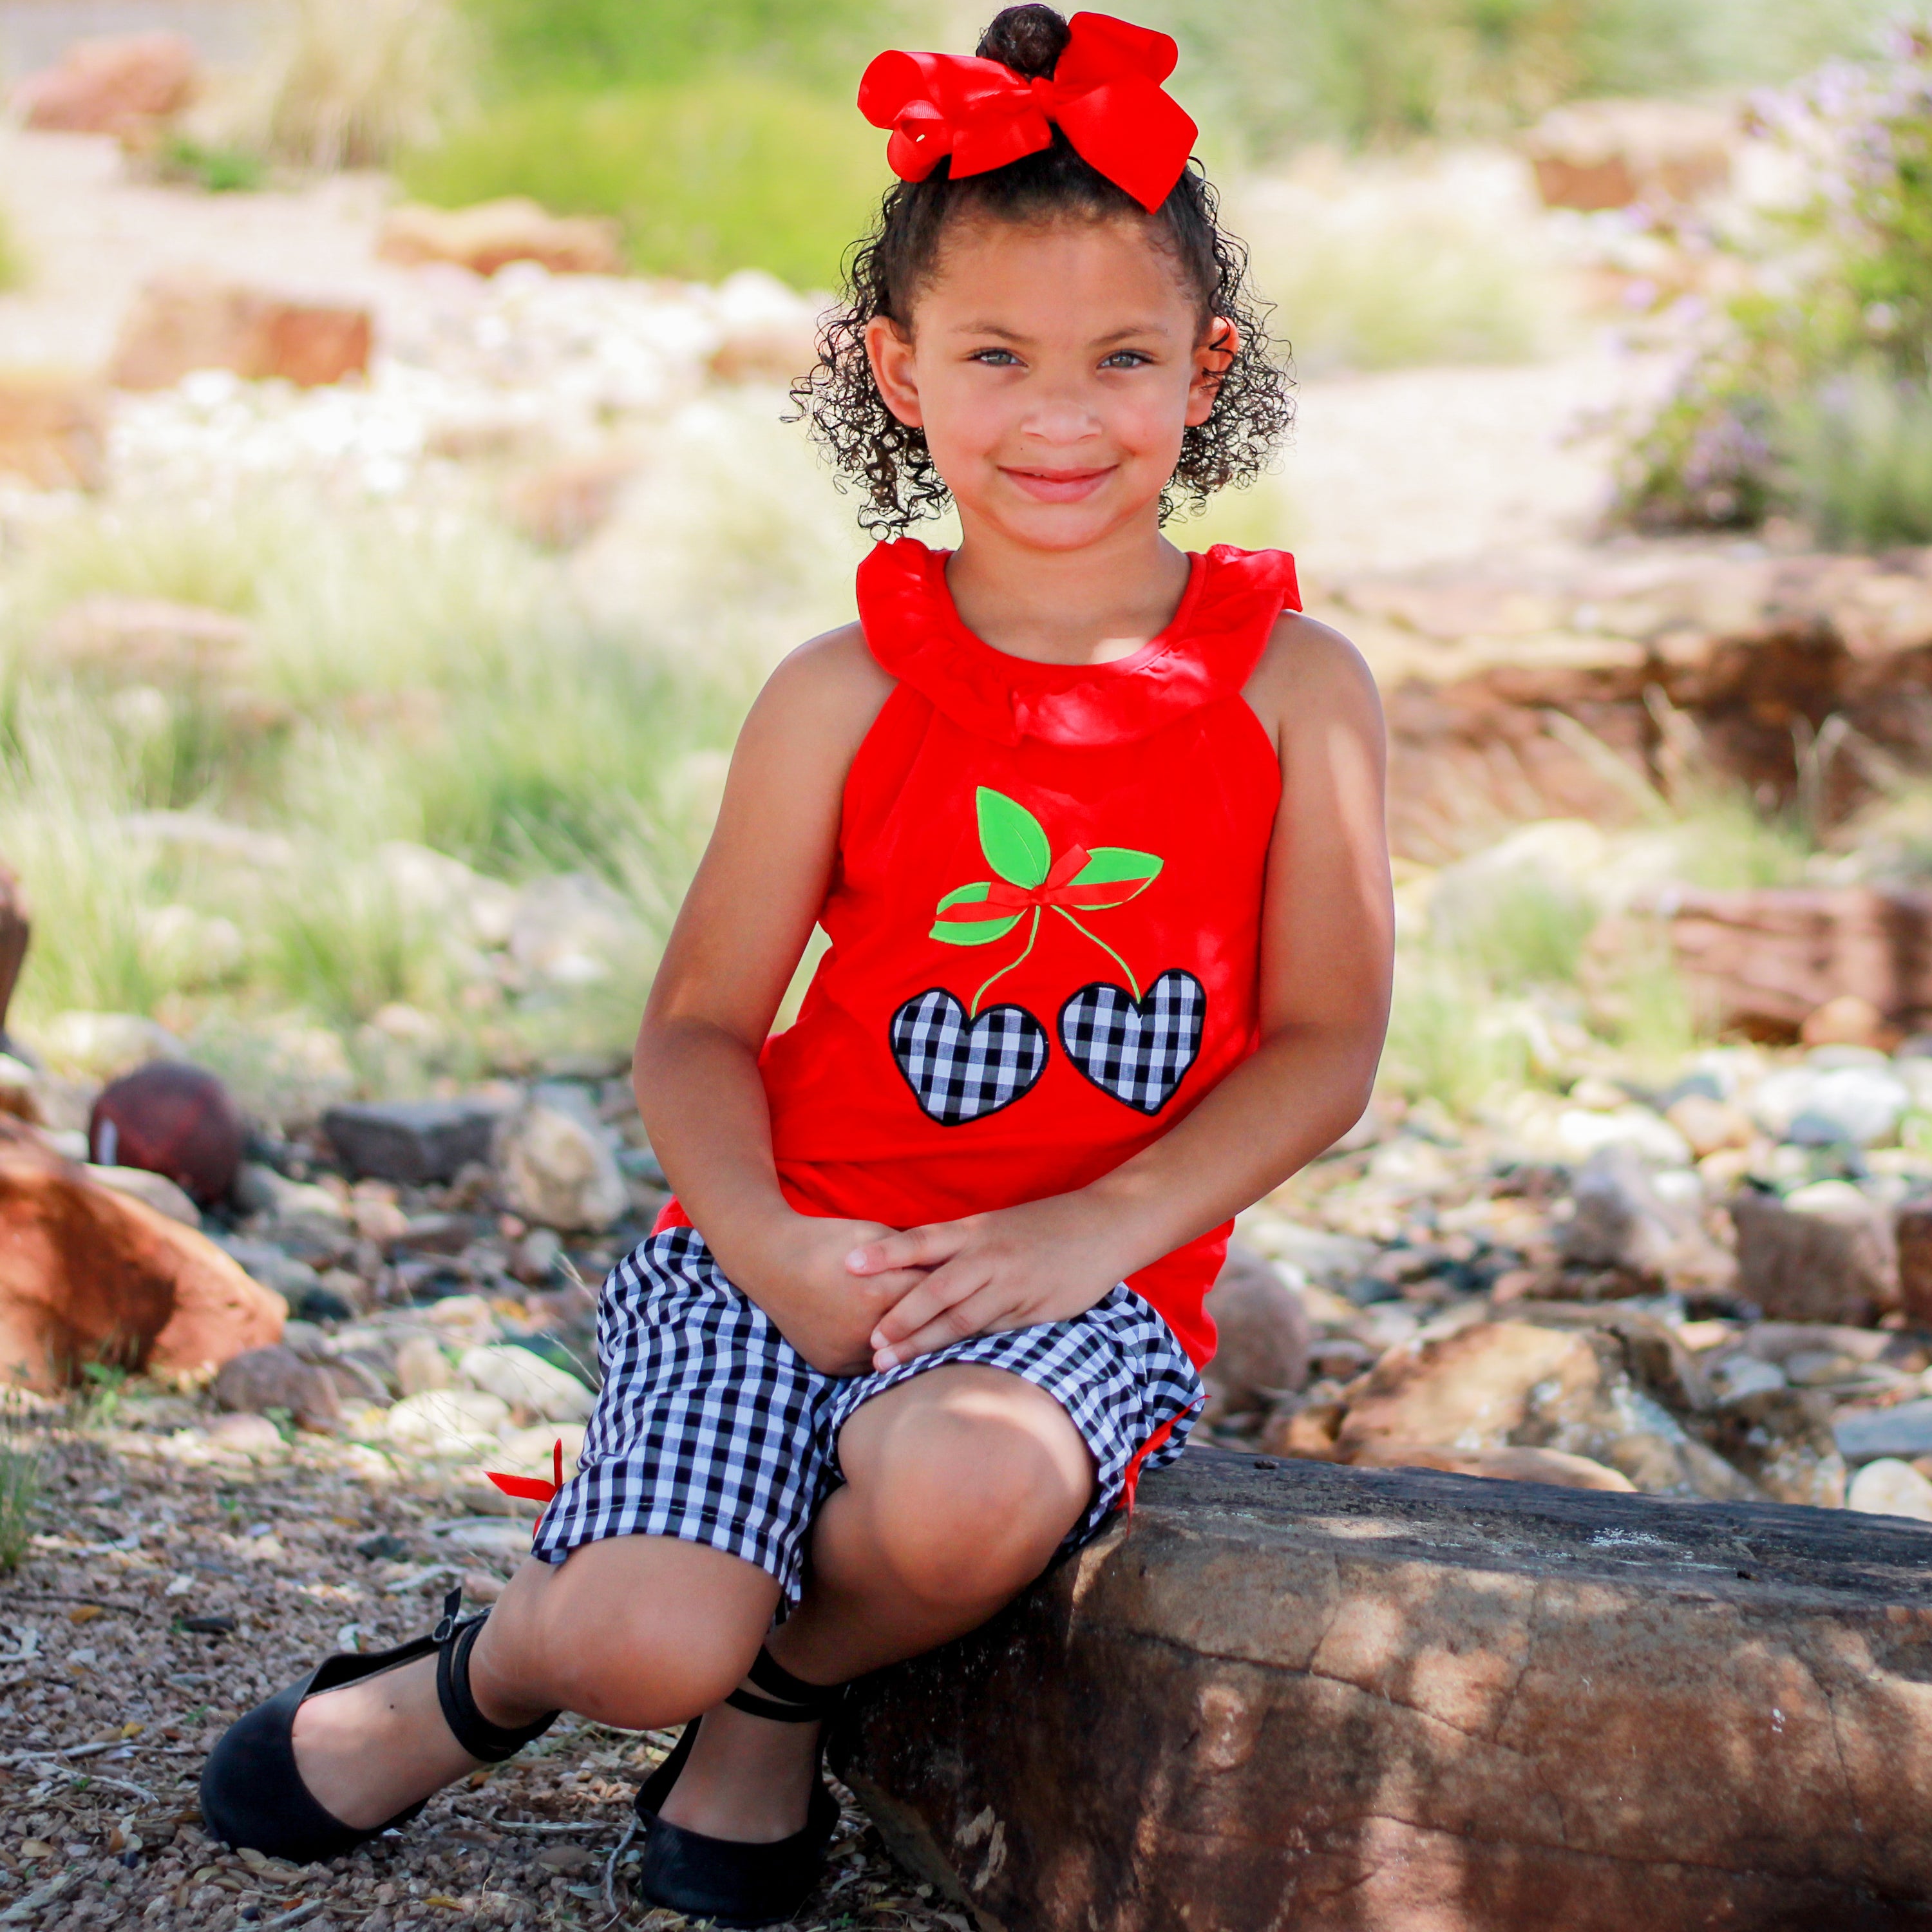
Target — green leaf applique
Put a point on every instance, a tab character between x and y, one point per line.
1013	839
972	932
1112	875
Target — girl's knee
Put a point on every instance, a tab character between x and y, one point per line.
975	1529
638	1633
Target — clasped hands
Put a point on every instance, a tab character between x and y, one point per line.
853	1295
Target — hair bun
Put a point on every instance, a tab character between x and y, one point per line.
1027	39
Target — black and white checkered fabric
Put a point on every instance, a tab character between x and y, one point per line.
710	1427
961	1070
1137	1053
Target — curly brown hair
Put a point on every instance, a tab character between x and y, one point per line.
889	460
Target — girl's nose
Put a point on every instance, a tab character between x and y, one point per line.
1059	423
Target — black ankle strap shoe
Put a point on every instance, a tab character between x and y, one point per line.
252	1793
727	1880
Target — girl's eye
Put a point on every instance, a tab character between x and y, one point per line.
1126	358
995	358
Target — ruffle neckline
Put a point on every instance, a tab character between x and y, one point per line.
1207	651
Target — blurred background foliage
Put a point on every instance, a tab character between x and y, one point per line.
722	136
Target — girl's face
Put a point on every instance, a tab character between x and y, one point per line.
1053	368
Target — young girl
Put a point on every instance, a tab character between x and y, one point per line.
1095	829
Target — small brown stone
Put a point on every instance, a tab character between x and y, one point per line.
490	235
191	320
1835	1262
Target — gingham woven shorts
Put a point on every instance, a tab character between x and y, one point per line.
710	1427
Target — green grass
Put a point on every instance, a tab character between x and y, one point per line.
705	177
1859	449
19	1496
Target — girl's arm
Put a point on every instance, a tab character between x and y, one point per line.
731	954
1328	945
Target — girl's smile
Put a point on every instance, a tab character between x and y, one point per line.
1059	486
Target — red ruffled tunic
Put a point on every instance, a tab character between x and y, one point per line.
1045	914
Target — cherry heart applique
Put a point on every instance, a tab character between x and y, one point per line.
962	1069
1137	1050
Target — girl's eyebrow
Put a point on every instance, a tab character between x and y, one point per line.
1016	335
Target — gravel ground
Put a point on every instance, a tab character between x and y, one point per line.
110	1697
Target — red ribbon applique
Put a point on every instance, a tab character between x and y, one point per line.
1056	888
1106	93
532	1489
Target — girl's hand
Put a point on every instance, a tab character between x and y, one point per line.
799	1275
1045	1261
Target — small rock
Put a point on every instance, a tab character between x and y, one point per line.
276	1377
568	1859
159	1192
173	1119
1863	1434
1912	1230
422	1366
480	1587
248	1434
449	1422
1744	1374
412	1141
187	320
111	84
1858	1106
1889	1487
1849	1020
490	235
290	1278
259	1189
1623	1221
53	428
435	1234
1513	1465
1825	1254
536	1255
464	1321
1782	1439
525	1382
1264	1336
1581	1132
219	1624
385	1547
1710	1125
558	1172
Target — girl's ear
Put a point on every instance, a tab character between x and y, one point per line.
1213	356
888	349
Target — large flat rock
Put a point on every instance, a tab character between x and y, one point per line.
1313	1697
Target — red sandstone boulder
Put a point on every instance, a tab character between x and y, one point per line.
116	84
191	320
88	1274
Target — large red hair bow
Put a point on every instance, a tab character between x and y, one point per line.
1105	92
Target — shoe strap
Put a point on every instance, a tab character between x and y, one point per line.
805	1703
454	1639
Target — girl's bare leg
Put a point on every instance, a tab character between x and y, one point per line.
637	1631
960	1485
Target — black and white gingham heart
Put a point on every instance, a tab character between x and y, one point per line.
1139	1053
962	1070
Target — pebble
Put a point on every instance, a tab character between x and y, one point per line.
448	1422
559	1172
524	1381
422	1365
412	1141
1890	1487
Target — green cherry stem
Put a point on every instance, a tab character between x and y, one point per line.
1133	985
1032	933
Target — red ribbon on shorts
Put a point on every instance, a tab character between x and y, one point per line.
1105	94
532	1489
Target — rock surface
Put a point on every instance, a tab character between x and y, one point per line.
557	1171
1824	1255
261	1379
1362	1701
413	1141
1264	1336
111	84
53	428
88	1274
490	235
188	320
